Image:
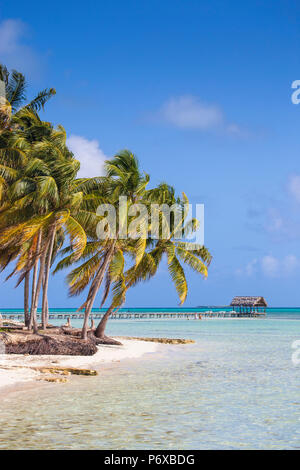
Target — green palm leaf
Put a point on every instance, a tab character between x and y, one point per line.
192	260
77	236
41	99
178	277
116	265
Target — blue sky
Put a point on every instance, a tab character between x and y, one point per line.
201	93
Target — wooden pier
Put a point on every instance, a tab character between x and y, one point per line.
143	315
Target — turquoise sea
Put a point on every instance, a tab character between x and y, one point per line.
236	388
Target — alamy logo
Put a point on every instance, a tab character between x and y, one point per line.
296	354
296	94
158	222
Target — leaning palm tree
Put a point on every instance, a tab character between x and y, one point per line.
105	259
42	199
177	253
123	178
12	102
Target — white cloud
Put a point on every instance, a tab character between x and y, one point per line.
14	52
274	222
89	154
251	267
270	266
10	33
249	270
290	263
294	187
278	215
188	112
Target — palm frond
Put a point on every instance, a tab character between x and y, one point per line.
41	99
192	260
119	292
178	277
80	277
116	265
15	90
77	236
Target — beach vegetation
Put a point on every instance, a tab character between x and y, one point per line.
47	212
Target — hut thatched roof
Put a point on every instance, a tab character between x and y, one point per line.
249	301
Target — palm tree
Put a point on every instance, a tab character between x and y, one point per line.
177	252
123	178
41	202
106	259
13	87
12	97
42	199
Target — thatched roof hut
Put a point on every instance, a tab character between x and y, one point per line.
249	303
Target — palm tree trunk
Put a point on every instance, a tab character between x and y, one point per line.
85	325
46	279
47	311
99	332
47	306
32	321
94	290
26	298
92	294
38	288
33	287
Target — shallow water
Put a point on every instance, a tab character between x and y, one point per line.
236	388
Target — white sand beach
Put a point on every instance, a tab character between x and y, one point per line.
16	368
